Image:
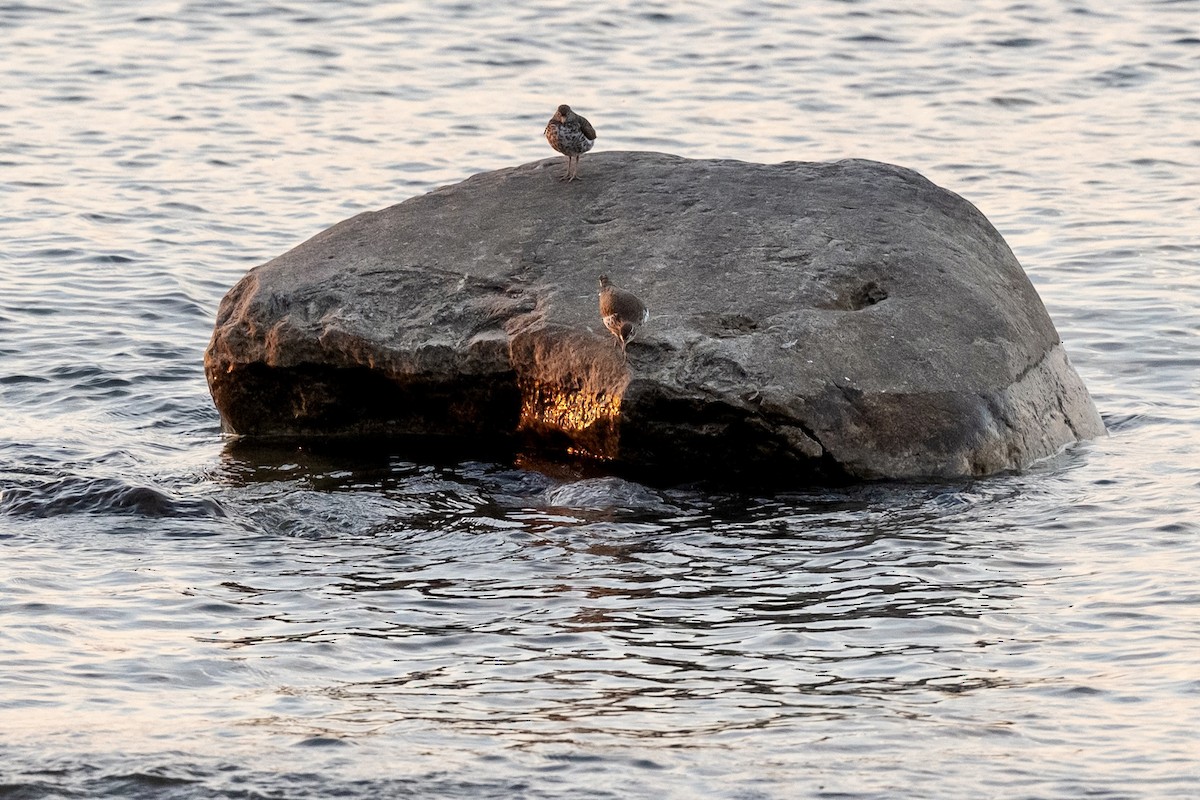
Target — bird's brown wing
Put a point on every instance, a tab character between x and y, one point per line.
587	128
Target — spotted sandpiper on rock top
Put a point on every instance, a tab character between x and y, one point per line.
571	135
621	311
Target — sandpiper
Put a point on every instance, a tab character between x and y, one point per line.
571	135
621	311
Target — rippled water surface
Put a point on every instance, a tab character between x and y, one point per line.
185	618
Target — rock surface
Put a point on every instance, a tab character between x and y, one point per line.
823	321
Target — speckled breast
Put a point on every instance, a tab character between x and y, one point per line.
567	140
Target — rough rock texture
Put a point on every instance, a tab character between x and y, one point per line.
808	320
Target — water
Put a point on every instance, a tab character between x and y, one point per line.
183	618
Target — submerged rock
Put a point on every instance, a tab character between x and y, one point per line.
807	321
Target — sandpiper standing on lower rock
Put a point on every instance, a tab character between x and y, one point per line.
571	135
621	311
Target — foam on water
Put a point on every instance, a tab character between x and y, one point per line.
187	618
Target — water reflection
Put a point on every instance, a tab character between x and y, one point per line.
551	615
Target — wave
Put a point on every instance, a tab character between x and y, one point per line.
79	495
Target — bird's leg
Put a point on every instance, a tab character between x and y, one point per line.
566	176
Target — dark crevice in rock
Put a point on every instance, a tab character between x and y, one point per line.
867	295
850	394
859	297
1066	417
811	434
735	325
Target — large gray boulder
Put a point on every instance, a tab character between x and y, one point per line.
826	321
